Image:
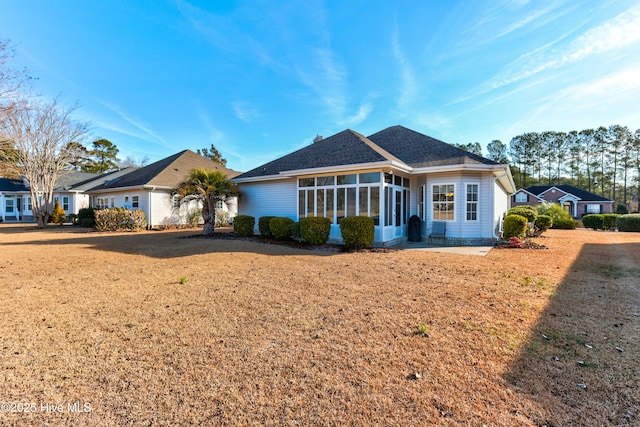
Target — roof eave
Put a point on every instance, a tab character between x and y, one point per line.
387	164
346	168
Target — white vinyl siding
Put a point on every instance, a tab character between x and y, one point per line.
270	198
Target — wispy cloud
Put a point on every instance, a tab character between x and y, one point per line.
589	102
616	33
224	32
408	85
245	111
214	135
144	131
324	76
362	114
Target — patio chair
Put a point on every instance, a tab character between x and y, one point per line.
438	230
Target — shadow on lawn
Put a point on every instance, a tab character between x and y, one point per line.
160	244
581	364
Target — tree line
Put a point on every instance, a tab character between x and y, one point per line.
604	160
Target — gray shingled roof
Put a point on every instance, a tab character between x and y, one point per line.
582	194
418	150
168	172
11	184
65	182
101	179
344	148
73	178
351	148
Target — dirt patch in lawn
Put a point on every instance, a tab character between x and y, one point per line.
156	329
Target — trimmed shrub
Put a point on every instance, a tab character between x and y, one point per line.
315	230
120	219
529	212
561	218
514	226
243	225
543	223
609	221
565	224
628	222
86	217
58	216
281	228
295	231
593	221
264	226
622	209
357	231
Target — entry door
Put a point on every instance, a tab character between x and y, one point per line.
397	212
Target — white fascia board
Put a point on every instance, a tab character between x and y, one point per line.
553	187
131	188
258	178
460	167
346	168
389	164
522	190
569	196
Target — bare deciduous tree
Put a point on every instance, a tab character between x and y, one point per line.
12	83
39	134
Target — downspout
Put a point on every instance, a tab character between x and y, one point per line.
150	222
497	230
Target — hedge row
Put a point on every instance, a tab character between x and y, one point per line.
600	221
119	219
628	222
357	232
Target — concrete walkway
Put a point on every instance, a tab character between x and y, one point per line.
460	250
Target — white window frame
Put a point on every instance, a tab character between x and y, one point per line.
135	202
591	206
432	202
467	203
518	195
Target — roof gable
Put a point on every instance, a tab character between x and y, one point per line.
522	190
168	172
583	195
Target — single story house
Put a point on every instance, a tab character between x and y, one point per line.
15	197
389	176
149	188
574	200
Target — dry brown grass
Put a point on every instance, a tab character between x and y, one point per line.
269	335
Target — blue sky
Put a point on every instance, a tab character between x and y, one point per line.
260	79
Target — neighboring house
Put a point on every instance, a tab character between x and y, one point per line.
15	197
574	200
388	176
149	188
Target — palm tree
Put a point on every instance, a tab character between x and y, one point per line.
208	187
